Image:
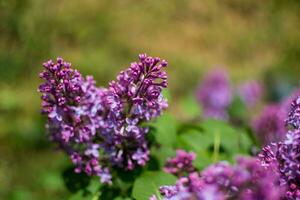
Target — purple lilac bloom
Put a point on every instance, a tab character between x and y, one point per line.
131	100
181	164
284	158
294	114
68	100
247	180
269	125
251	92
286	102
83	119
215	95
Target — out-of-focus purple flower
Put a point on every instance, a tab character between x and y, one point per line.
261	184
269	125
215	95
251	92
83	119
181	164
247	180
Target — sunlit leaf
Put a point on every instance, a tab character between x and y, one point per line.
149	183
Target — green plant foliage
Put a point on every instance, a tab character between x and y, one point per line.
161	153
90	192
233	140
75	182
238	109
213	140
166	128
148	184
190	107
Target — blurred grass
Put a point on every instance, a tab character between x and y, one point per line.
249	38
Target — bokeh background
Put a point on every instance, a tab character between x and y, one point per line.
251	39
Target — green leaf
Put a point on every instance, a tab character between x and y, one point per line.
190	107
238	109
193	140
233	140
162	153
90	192
149	183
74	181
166	127
94	186
203	159
203	144
167	95
212	141
110	192
123	198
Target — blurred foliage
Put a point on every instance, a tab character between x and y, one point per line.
250	38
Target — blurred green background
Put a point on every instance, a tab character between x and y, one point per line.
252	39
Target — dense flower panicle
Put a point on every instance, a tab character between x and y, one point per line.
294	114
284	158
287	101
251	92
181	164
63	93
84	119
131	100
215	95
247	180
269	125
71	104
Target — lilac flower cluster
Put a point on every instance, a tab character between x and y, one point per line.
181	164
284	157
215	95
247	180
286	102
269	125
69	101
103	127
294	115
251	92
